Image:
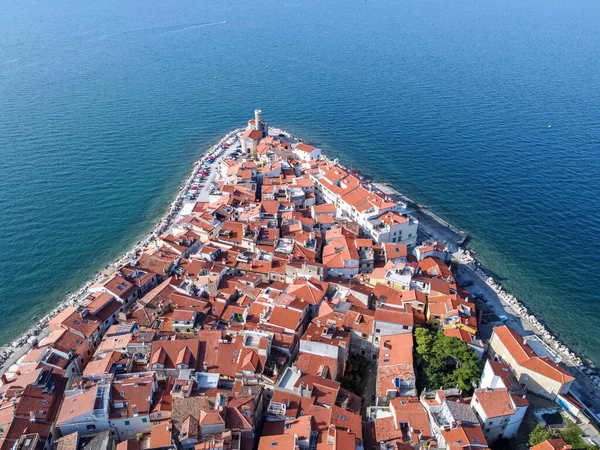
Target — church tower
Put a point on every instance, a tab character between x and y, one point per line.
257	119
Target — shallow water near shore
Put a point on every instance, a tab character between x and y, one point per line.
103	109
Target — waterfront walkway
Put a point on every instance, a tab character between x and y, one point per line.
431	226
583	388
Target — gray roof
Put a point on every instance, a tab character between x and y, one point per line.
100	441
461	411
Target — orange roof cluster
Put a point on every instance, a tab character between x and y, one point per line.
269	284
526	357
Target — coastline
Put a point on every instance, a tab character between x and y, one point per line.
438	229
432	226
13	351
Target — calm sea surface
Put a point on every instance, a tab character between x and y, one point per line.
105	105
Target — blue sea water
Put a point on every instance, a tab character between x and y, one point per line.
105	105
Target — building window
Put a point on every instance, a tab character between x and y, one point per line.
91	427
144	420
127	422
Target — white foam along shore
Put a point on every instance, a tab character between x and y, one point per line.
517	308
22	344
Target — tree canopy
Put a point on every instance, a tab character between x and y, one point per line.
571	434
540	434
446	361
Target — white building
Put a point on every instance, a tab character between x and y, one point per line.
379	217
258	124
500	413
537	374
392	226
326	340
256	130
306	152
113	406
432	249
183	320
497	375
447	410
391	321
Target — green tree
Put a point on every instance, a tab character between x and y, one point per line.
446	361
540	434
425	340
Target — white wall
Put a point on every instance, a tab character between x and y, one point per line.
135	426
515	422
489	379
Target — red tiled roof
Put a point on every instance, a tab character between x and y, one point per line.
526	357
305	147
255	135
313	364
552	444
494	402
464	436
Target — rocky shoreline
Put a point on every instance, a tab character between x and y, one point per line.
23	343
569	357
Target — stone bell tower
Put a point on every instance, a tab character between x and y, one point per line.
257	119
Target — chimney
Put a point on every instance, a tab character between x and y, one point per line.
32	416
4	379
331	434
